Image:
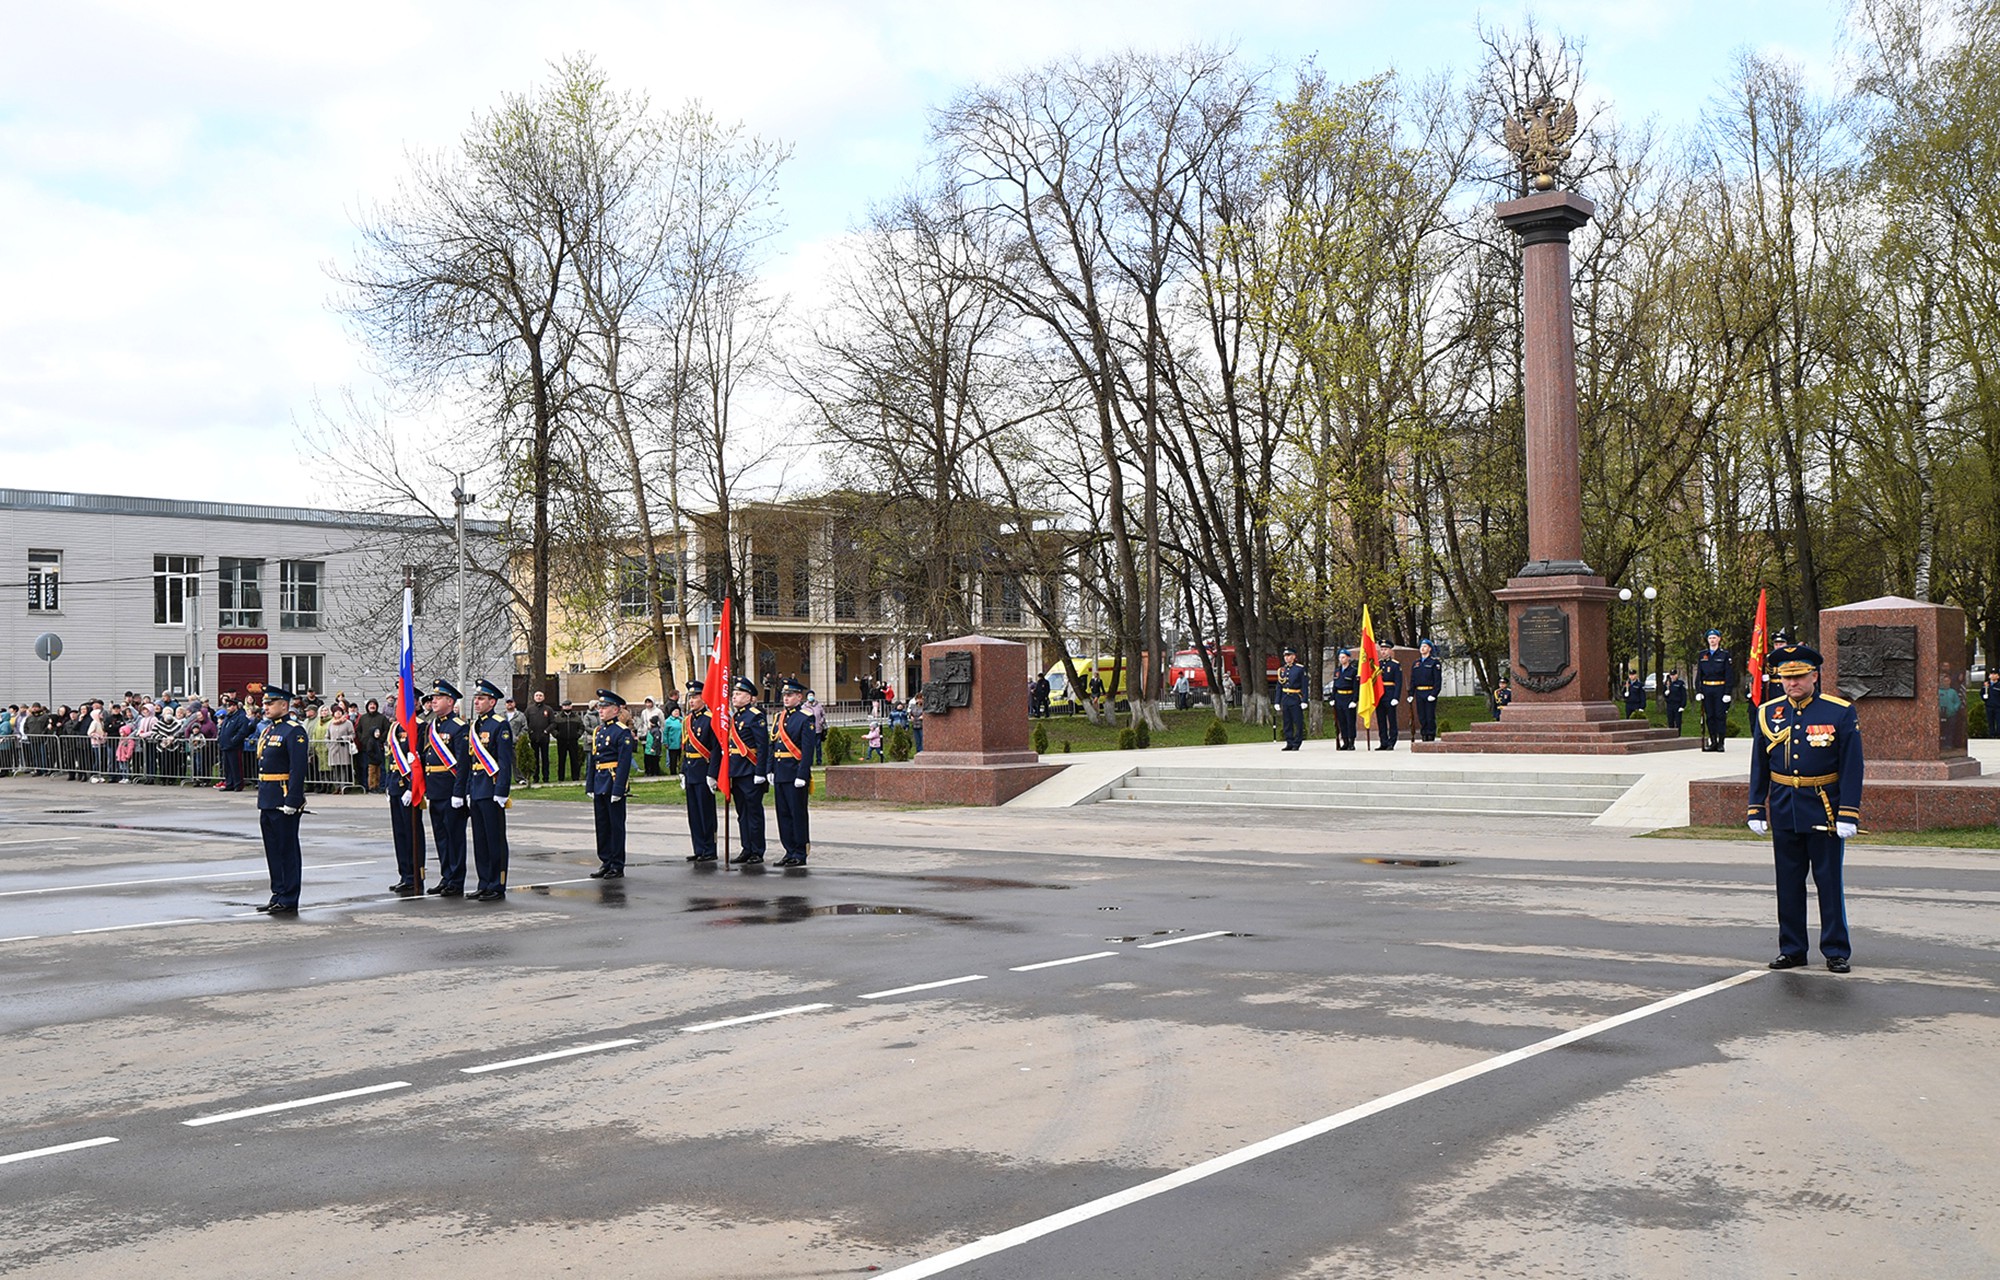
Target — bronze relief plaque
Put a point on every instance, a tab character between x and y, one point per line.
1542	640
1878	662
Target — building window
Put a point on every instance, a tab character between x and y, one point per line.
298	594
802	588
300	672
633	601
239	594
175	579
44	581
1010	601
764	585
170	673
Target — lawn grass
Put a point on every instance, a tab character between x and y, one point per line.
1185	728
1936	838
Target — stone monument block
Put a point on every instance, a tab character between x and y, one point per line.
1902	662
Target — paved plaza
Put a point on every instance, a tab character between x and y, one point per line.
1033	1041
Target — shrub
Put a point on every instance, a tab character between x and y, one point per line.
1128	740
839	746
1041	742
901	744
1065	746
1975	719
1636	715
1215	735
1447	726
1142	735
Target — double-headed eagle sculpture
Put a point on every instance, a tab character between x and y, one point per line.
1539	136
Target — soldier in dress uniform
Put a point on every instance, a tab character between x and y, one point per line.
794	741
489	788
1504	695
1989	693
447	776
747	750
1675	699
1805	791
699	752
281	798
1346	691
1714	689
1635	694
608	779
1389	707
403	766
1292	699
1773	684
1426	684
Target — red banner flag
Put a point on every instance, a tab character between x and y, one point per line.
1760	643
715	692
1370	673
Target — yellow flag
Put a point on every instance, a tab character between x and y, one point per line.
1371	670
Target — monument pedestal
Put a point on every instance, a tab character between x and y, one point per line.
975	733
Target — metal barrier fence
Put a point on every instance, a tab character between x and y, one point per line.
171	760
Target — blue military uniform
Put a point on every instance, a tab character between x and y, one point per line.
489	787
281	798
229	739
608	779
1805	782
1635	695
699	752
1675	700
793	742
1426	687
1990	694
1389	707
447	778
1714	689
405	825
1346	699
1292	700
748	752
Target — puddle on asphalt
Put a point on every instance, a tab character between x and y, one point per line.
948	882
610	895
1409	862
790	909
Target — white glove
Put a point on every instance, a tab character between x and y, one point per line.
1845	829
1726	699
506	802
406	799
1431	698
708	782
617	799
287	810
798	782
1760	827
458	802
757	779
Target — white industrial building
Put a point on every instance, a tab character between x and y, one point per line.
156	594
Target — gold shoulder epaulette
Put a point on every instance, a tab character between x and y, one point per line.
1838	702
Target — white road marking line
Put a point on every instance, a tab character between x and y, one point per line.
25	937
1292	1137
924	986
546	883
756	1017
1192	937
55	1151
198	1121
149	924
246	874
41	840
546	1057
1050	964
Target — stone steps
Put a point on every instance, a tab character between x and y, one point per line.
1376	790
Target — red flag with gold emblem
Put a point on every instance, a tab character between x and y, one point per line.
1760	643
715	692
1370	673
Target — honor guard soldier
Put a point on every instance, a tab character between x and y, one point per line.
791	774
281	798
404	768
1504	695
1426	684
748	755
1772	685
608	779
1635	695
1389	707
1714	689
489	789
447	778
1346	698
1805	790
1675	699
1292	699
699	752
1989	695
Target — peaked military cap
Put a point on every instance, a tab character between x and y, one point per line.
271	691
1795	660
745	684
445	687
1291	652
694	686
793	686
1712	631
610	697
1426	641
488	688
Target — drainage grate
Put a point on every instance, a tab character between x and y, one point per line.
1410	862
65	811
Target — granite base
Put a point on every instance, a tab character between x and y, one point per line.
919	783
1886	805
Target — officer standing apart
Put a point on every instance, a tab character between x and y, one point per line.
699	751
488	789
1635	695
609	781
1989	693
1805	790
1675	699
1389	708
446	778
748	754
1426	683
281	798
1714	689
1292	699
1346	692
791	775
229	741
404	825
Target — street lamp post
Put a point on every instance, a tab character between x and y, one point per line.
461	500
1644	597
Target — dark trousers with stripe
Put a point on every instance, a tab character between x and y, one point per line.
1821	854
448	834
489	845
748	800
794	820
1714	716
1388	726
406	824
1294	714
610	832
1427	717
700	811
282	854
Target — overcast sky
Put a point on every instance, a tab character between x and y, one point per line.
176	178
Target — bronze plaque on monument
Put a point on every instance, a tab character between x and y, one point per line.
950	684
1878	662
1542	641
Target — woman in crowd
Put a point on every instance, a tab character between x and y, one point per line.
340	747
